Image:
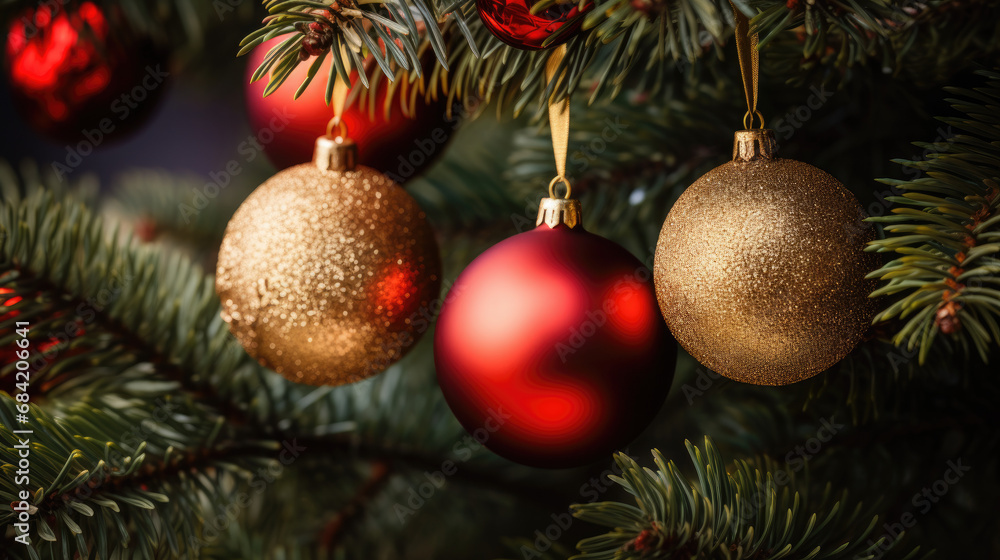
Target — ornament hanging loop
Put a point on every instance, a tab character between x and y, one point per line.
336	153
558	118
746	50
552	188
339	124
748	125
338	100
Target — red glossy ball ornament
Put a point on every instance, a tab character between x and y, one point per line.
512	22
550	347
401	146
38	354
77	73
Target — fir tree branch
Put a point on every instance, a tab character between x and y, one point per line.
946	278
60	250
333	528
157	206
629	42
95	492
739	512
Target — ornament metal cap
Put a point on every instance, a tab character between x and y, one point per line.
335	154
755	144
555	211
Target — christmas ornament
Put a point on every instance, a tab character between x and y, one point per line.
327	270
400	145
512	22
78	74
549	348
760	266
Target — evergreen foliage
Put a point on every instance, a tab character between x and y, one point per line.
156	436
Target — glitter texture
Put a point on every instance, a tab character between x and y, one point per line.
327	277
760	269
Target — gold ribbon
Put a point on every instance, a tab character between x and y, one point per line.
338	100
746	49
558	120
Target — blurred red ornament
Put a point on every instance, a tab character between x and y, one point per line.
9	302
76	74
512	22
73	327
551	350
8	353
400	146
146	229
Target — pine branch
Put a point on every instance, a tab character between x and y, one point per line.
158	333
159	309
29	177
624	42
728	512
158	206
947	277
95	492
467	189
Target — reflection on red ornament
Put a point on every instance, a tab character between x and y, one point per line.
40	353
68	67
552	342
400	145
8	353
9	303
69	329
512	22
395	294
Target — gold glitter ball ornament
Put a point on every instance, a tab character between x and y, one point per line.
760	268
329	270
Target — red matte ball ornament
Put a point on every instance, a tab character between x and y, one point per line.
550	346
76	73
401	146
512	22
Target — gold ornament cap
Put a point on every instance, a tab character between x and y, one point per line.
755	145
555	211
335	154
